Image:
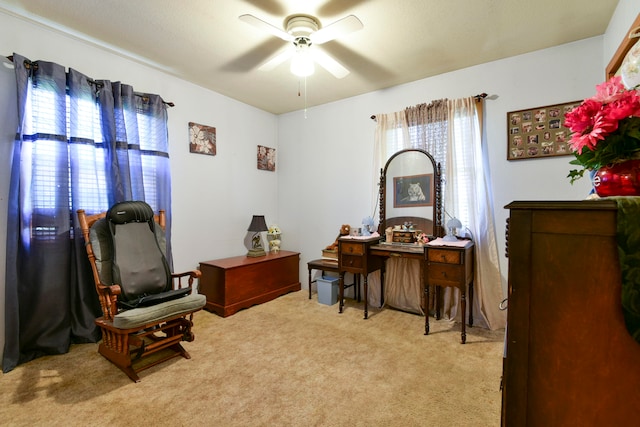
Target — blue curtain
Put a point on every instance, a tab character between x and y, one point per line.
80	144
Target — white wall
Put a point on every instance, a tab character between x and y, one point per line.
621	21
214	197
326	178
335	142
324	173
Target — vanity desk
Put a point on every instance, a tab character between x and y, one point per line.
386	250
361	255
410	205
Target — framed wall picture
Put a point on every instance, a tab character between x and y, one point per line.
412	191
538	132
266	158
625	46
202	139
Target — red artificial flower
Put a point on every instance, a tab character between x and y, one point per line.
609	91
605	127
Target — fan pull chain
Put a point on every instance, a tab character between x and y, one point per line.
305	97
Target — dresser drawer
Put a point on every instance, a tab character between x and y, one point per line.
352	261
444	256
353	248
445	273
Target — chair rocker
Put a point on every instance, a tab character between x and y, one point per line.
146	309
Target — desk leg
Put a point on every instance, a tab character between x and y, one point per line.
310	282
382	286
366	296
341	291
463	307
426	311
437	289
471	304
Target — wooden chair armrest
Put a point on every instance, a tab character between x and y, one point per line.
108	299
110	289
192	275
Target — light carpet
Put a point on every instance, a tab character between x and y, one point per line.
288	362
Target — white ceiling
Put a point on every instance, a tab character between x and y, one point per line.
204	42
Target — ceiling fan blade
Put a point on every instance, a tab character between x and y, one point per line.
328	63
281	56
265	26
339	28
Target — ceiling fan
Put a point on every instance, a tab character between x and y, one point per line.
306	34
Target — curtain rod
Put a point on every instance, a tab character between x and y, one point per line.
477	98
91	81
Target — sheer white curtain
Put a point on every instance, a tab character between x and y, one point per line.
391	133
450	131
469	199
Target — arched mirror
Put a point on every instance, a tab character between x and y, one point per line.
411	195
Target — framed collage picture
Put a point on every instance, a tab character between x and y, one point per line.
538	132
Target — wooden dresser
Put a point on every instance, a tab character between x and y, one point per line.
570	360
231	284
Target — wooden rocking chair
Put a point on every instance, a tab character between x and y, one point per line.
146	310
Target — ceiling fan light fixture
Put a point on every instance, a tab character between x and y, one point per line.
301	25
305	30
302	64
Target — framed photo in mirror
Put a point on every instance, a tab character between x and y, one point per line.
412	191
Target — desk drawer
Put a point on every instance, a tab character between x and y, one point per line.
445	273
353	248
444	256
352	261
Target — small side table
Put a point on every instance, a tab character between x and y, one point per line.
355	257
323	265
451	266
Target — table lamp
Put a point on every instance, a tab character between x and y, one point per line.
453	224
258	225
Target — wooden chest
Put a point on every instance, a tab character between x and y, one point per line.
231	284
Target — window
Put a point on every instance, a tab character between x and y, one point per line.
67	160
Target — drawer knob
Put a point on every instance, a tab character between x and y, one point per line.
444	274
443	258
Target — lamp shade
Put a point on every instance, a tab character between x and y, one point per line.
454	223
258	224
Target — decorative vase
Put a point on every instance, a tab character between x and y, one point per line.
274	242
274	246
618	179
